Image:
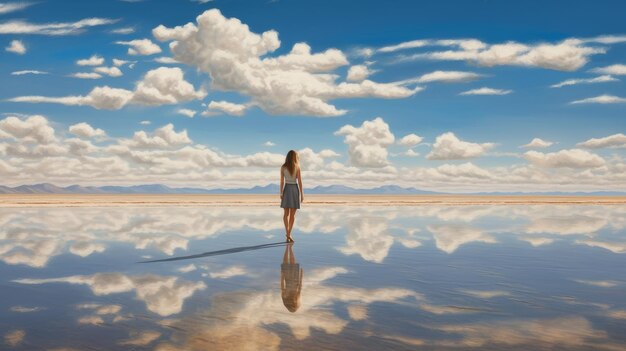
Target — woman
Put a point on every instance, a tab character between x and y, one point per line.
291	193
290	280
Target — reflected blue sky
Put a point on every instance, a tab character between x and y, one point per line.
396	278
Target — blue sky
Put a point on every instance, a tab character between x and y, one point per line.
305	99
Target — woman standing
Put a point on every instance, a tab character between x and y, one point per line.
291	193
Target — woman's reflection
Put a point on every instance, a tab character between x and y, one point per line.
290	280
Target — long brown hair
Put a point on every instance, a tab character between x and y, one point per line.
292	162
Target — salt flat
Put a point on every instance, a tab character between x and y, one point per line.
65	200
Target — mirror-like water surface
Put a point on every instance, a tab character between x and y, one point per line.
367	278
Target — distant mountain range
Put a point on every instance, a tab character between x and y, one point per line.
46	188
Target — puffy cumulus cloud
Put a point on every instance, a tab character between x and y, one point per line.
31	129
86	248
358	73
162	295
369	238
367	144
85	130
612	141
617	69
448	147
141	47
538	143
486	91
410	140
449	237
94	60
600	79
109	71
16	47
237	59
569	158
163	137
163	85
226	107
601	99
567	55
58	28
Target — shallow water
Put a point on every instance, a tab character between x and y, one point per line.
373	278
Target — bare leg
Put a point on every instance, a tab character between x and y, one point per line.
286	221
286	256
292	219
292	258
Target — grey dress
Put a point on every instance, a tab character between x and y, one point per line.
291	192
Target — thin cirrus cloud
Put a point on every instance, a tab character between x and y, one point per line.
600	79
86	75
444	77
12	7
63	28
486	91
28	71
601	99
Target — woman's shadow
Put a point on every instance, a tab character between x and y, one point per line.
290	280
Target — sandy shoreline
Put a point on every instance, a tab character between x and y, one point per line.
36	200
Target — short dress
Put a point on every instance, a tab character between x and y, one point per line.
291	192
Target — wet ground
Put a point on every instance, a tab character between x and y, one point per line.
514	277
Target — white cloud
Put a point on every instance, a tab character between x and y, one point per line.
367	144
123	30
410	140
611	141
567	55
86	248
538	143
31	129
61	28
369	238
572	158
269	143
163	137
109	71
13	6
28	71
86	75
166	60
600	79
449	237
602	99
143	338
14	337
448	147
444	76
22	309
406	45
141	47
159	86
145	123
486	91
118	62
186	112
94	60
358	73
86	131
226	107
411	153
296	83
162	295
617	69
17	47
229	272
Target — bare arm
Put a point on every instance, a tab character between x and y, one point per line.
300	186
282	182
